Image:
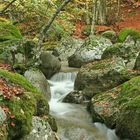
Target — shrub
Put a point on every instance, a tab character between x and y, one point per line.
128	32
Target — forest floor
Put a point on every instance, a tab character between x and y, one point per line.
129	17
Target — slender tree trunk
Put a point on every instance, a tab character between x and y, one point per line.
46	27
94	17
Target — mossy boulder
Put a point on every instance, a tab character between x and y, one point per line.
119	108
90	50
23	106
101	76
128	51
110	35
38	79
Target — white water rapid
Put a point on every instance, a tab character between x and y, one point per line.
74	122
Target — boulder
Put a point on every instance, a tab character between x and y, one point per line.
137	63
41	130
37	78
91	50
110	35
49	64
128	50
22	104
119	108
101	76
67	47
75	97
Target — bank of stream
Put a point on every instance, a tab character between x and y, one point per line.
74	122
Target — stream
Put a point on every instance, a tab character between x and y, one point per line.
74	122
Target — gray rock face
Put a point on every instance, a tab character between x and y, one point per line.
92	49
49	64
128	51
2	116
41	131
37	78
137	63
67	48
101	76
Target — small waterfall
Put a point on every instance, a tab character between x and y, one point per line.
73	120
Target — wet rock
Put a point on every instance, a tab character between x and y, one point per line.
41	131
49	64
92	49
37	78
75	97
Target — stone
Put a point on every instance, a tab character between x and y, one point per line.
128	51
110	35
100	76
91	50
49	64
119	108
41	130
38	79
2	116
67	47
75	97
137	63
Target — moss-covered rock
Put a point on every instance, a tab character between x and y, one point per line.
101	76
23	106
119	108
128	51
110	35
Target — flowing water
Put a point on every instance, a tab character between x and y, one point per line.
74	122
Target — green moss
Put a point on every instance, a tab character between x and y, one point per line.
112	50
18	79
129	90
101	64
23	108
128	32
86	30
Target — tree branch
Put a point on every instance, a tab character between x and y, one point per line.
7	6
46	27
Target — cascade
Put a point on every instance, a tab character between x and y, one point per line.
74	122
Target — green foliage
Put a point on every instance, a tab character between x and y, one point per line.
86	30
128	32
9	32
18	79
